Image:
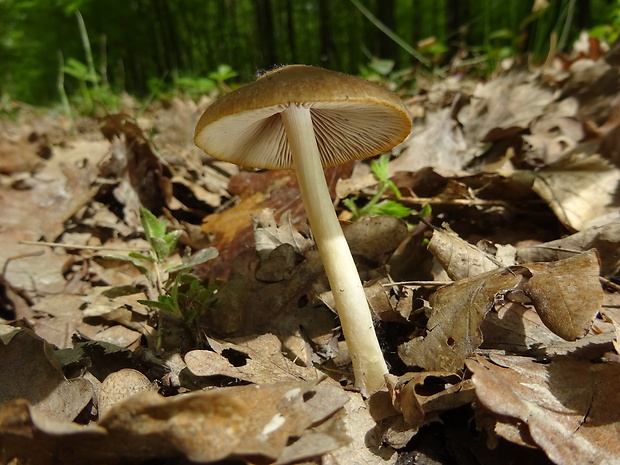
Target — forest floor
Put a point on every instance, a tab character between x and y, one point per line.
498	311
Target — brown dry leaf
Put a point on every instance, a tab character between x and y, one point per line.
566	295
458	257
275	294
361	178
568	408
232	229
175	124
438	143
421	397
58	317
59	188
256	422
578	189
247	305
366	446
134	162
512	100
453	330
375	238
23	153
120	386
514	328
119	336
30	371
605	239
39	272
554	135
258	359
270	234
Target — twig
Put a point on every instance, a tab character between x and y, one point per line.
418	283
434	201
85	247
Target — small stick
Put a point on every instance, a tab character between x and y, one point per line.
84	247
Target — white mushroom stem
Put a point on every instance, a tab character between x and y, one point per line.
369	366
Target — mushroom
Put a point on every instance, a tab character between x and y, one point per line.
306	118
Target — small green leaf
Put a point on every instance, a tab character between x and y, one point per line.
133	260
426	210
200	257
394	189
350	204
383	67
141	256
160	247
153	227
171	238
391	208
380	167
165	303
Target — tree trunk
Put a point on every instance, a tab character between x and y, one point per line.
265	31
327	53
385	14
290	29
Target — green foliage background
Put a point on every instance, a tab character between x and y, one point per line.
141	46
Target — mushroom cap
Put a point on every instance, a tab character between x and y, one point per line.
353	118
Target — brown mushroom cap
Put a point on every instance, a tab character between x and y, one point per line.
353	118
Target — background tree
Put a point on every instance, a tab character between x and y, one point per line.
146	45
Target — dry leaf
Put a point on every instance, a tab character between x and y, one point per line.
257	422
23	154
458	257
366	446
421	397
514	100
375	238
514	328
121	385
578	189
438	143
567	294
268	234
30	372
258	359
605	239
453	330
569	408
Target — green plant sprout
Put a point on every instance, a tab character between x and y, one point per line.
93	86
387	207
214	83
179	293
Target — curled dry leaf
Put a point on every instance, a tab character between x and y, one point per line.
268	234
366	446
438	143
605	239
257	422
121	385
458	257
135	162
566	295
453	330
30	372
568	408
258	359
515	328
421	397
578	188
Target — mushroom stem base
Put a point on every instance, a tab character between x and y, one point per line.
369	366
